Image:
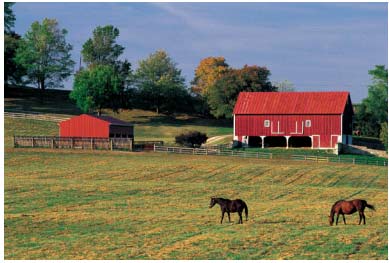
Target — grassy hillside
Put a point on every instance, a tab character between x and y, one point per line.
148	125
104	205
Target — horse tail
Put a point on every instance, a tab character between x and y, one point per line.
370	206
246	210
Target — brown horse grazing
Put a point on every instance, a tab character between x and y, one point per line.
230	206
343	207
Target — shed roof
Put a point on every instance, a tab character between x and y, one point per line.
291	102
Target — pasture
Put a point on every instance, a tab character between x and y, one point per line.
67	204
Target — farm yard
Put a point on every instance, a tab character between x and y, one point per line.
72	204
67	204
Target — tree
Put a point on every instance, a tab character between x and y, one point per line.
102	47
377	99
160	85
100	86
384	134
207	72
373	111
9	17
45	55
13	72
191	139
225	91
284	86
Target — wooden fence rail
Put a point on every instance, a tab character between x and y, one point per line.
259	155
37	116
74	143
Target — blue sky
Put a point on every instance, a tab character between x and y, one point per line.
316	46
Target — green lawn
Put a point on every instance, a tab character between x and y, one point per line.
64	204
112	205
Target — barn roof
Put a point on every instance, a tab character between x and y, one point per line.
111	120
291	102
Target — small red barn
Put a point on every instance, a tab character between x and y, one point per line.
318	120
91	126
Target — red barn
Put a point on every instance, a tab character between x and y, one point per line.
91	126
318	120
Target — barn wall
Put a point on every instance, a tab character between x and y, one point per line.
285	125
84	126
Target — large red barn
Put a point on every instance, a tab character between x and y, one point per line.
318	120
89	126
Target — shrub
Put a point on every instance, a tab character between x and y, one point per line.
191	139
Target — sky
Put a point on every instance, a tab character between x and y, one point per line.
316	46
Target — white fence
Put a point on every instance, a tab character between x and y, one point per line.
37	116
278	156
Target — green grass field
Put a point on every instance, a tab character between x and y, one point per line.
104	205
64	204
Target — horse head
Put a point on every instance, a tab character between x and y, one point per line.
331	220
213	202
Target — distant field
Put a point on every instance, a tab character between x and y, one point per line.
104	205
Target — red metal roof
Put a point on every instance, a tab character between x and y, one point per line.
291	102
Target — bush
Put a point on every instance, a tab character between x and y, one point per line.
191	139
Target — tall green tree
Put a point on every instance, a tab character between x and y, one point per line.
100	86
160	85
9	17
13	72
373	111
102	47
45	54
224	93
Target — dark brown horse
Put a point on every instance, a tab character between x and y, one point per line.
230	206
343	207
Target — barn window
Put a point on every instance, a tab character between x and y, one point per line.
266	123
308	123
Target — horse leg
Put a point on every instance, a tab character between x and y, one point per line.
221	222
229	218
364	218
344	219
337	218
360	217
240	218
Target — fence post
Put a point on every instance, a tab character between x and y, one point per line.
111	144
271	155
353	160
32	142
52	143
14	142
91	143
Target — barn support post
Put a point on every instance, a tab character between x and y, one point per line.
263	141
287	141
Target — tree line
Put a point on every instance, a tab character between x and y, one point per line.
42	57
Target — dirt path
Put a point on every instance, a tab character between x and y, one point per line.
215	139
